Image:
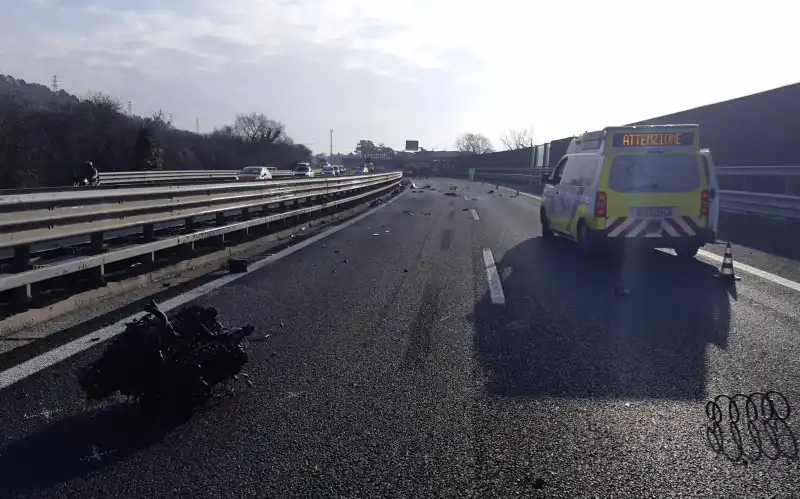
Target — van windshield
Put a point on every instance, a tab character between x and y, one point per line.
655	173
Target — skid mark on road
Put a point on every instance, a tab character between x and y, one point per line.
419	335
447	240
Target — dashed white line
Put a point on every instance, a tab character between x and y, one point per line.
466	198
52	357
495	286
475	214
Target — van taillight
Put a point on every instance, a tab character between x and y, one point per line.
600	204
705	196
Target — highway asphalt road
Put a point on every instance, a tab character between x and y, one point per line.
392	372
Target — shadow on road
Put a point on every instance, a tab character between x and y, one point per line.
77	446
600	328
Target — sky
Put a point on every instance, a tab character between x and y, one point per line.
389	71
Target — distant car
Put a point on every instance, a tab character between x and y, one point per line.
329	170
254	173
362	170
303	170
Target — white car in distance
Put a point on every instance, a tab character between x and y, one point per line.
249	173
303	170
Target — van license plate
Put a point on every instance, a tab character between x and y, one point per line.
652	212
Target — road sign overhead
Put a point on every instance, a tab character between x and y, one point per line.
412	145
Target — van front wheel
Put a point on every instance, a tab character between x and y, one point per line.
547	232
584	241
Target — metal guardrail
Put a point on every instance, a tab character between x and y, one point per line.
116	178
26	219
759	171
766	205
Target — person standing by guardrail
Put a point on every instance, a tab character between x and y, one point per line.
90	175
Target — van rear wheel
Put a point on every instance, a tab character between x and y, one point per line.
584	242
687	252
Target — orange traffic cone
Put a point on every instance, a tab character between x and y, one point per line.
726	269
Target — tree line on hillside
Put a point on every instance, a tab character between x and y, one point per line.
45	140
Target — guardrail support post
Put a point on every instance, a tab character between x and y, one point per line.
148	233
96	248
219	221
187	249
21	297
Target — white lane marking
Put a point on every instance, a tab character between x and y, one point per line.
782	281
475	214
52	357
534	196
495	286
466	198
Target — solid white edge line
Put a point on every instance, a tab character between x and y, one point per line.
495	286
782	281
475	214
50	358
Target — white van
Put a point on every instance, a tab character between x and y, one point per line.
636	185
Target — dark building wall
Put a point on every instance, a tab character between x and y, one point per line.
758	130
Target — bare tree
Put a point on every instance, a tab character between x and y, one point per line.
103	108
104	101
256	127
517	139
474	143
225	132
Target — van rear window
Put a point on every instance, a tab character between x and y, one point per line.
654	173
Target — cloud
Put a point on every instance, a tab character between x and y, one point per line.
391	71
351	66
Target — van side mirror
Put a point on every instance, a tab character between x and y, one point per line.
712	193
